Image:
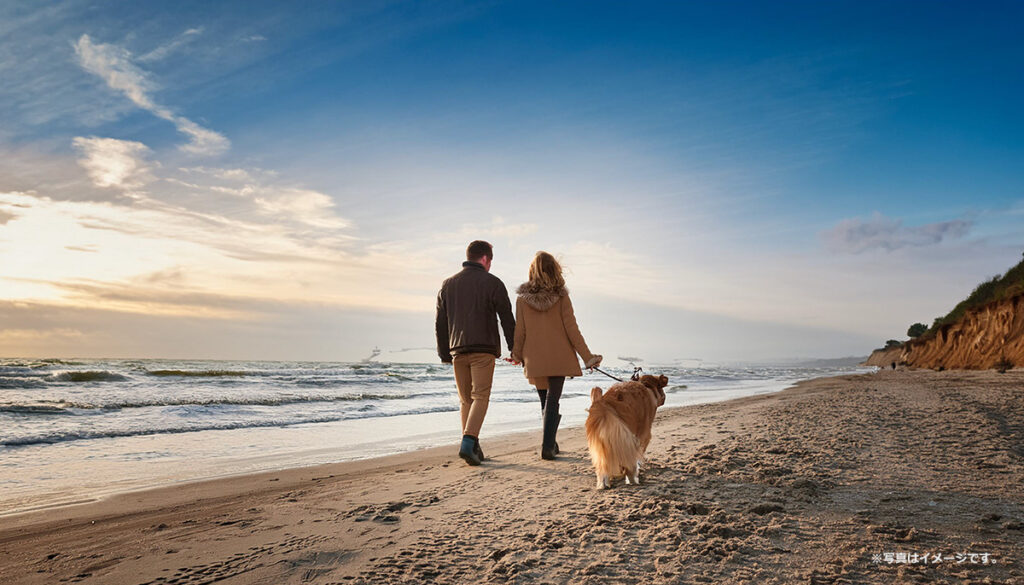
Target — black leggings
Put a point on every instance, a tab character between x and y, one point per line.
553	394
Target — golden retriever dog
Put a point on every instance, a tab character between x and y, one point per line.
619	427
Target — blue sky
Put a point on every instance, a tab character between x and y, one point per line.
728	180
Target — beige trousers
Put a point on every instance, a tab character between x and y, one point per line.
474	373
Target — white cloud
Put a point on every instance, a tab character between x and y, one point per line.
282	203
226	174
231	233
310	207
855	235
213	256
163	51
115	66
114	163
201	140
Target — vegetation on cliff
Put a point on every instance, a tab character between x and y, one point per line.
997	288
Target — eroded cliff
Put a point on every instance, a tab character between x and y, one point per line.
884	358
981	339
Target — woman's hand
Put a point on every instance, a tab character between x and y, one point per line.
594	361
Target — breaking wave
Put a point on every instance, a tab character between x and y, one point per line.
197	373
37	408
58	362
86	376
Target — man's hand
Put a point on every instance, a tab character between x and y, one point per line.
512	360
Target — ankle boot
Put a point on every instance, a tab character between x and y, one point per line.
551	418
467	450
476	449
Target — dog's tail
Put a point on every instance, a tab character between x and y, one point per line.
595	394
614	448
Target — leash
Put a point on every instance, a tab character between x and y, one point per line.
635	377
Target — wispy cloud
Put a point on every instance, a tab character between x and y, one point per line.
154	296
269	198
275	243
163	51
116	67
856	235
498	227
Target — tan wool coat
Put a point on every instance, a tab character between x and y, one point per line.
547	337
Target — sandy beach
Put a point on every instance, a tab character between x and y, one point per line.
893	477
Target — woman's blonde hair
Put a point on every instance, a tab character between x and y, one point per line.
546	272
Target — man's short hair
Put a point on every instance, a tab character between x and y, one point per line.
477	249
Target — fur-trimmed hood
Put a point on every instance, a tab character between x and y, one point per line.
541	299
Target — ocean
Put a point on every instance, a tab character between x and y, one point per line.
75	430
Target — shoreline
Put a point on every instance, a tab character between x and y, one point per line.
140	497
50	475
794	485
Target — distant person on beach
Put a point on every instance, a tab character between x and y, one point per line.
547	340
467	338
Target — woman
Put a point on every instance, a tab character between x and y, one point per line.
547	340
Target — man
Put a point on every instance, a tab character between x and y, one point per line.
467	338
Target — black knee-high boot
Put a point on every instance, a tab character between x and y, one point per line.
547	449
557	450
543	394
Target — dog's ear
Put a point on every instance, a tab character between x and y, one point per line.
654	383
595	394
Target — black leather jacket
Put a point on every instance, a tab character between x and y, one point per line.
466	308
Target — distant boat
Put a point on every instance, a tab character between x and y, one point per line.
373	354
632	360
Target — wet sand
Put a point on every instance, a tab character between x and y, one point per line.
814	484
